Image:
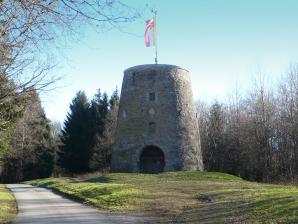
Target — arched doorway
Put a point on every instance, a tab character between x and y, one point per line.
152	160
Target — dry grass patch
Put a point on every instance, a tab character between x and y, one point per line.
7	205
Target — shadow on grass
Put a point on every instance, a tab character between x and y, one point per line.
47	184
272	202
101	179
223	212
274	208
277	209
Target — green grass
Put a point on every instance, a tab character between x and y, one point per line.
184	197
7	205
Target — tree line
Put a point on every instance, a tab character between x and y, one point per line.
25	140
88	133
254	135
34	147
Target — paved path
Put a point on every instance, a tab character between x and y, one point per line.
38	205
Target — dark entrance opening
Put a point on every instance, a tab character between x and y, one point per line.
152	160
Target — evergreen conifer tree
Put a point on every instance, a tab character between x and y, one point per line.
114	100
103	136
98	111
74	152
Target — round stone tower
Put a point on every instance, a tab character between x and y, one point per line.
157	127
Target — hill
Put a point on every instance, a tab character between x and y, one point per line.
183	197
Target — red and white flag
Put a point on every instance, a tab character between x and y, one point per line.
150	33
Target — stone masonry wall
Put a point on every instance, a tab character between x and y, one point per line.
157	109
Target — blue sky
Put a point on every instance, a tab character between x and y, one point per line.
223	43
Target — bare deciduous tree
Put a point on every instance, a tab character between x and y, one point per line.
254	136
27	26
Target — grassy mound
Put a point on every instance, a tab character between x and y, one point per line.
7	205
184	197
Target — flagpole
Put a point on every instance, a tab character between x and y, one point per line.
155	54
155	36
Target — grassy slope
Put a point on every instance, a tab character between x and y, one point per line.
7	205
185	197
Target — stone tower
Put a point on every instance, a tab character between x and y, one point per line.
157	126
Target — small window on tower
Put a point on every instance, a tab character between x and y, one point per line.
152	96
152	127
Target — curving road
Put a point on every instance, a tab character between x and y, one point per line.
42	206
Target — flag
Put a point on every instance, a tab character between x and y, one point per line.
150	33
